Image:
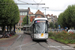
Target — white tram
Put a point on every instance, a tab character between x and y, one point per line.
39	28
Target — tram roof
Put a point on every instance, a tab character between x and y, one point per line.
40	19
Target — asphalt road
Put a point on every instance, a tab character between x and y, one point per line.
24	42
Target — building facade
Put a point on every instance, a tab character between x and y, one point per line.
23	13
51	18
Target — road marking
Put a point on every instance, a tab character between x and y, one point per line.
20	48
57	47
18	37
67	47
64	47
22	45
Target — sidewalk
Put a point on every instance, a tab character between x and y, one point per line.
72	45
5	42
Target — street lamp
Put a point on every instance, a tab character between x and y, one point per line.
45	10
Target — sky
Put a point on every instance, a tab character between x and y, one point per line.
55	6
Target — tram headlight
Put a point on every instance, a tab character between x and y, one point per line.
36	35
46	35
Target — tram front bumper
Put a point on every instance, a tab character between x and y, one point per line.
38	36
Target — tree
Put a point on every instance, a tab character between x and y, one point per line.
56	25
25	20
61	20
51	25
67	18
9	13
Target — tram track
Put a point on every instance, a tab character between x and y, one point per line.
20	39
45	42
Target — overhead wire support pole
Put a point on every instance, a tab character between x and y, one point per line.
45	10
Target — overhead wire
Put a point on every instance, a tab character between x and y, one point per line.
22	1
36	2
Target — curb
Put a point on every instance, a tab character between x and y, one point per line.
6	39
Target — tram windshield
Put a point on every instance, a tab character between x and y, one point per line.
40	27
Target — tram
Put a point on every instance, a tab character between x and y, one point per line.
39	29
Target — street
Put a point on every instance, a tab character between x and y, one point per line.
24	42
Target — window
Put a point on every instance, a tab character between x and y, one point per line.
23	13
19	24
20	13
21	18
48	16
40	27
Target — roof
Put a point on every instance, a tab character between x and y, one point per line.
30	12
39	12
23	9
48	15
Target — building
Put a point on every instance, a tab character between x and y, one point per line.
51	18
23	13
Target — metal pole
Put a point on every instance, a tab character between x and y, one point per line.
45	10
27	16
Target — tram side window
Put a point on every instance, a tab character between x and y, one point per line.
46	27
46	30
34	28
24	29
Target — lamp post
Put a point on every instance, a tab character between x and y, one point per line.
45	10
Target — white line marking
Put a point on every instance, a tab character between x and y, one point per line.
19	37
64	47
57	47
20	48
67	47
22	45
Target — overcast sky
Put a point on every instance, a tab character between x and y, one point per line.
55	6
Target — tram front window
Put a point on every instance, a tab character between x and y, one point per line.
40	27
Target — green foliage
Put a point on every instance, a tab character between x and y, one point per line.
63	37
25	20
67	18
51	25
9	13
55	25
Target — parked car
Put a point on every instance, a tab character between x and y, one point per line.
71	30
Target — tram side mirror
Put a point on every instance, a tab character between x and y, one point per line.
48	24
